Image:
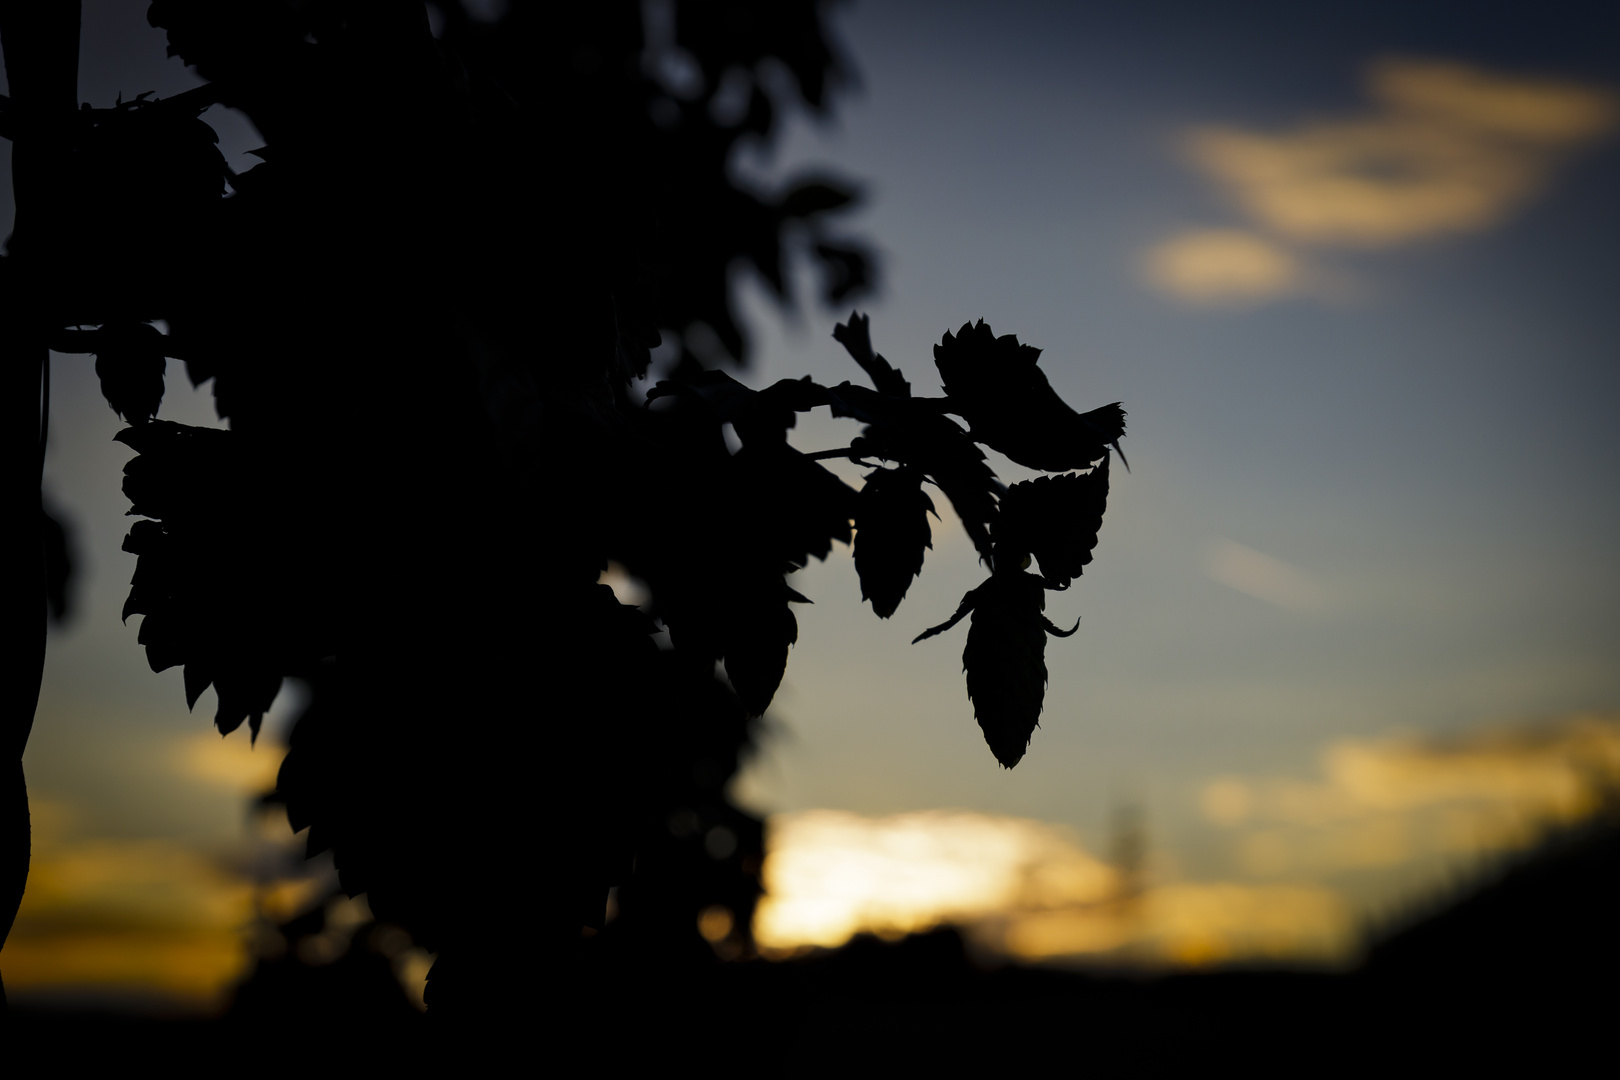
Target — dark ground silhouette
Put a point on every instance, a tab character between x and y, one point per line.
1511	970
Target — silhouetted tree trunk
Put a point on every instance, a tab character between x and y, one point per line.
41	41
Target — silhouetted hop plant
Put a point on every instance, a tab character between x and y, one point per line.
997	386
424	315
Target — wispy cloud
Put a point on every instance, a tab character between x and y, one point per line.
1263	577
147	915
1403	799
1223	267
1444	148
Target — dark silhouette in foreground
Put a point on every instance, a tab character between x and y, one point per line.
425	314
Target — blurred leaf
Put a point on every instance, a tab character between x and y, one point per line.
757	415
846	271
759	633
794	508
60	570
815	197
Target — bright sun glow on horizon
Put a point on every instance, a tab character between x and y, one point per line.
165	921
1028	891
159	916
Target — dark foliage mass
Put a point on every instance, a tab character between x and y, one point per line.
425	313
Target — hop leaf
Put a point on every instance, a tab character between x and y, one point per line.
1055	519
758	636
793	507
1005	659
180	472
130	363
997	386
856	338
214	586
891	521
914	432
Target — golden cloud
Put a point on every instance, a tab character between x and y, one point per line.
1450	149
1446	149
145	914
830	874
1222	267
1024	889
1401	799
1401	806
1195	925
162	916
1535	110
1371	183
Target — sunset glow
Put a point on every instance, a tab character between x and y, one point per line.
1347	644
1029	891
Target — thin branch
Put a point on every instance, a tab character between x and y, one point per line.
849	452
961	613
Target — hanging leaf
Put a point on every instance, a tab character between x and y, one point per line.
997	386
1055	519
912	431
793	507
218	592
130	363
245	693
759	633
1005	658
891	522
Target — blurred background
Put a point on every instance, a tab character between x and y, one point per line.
1348	641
